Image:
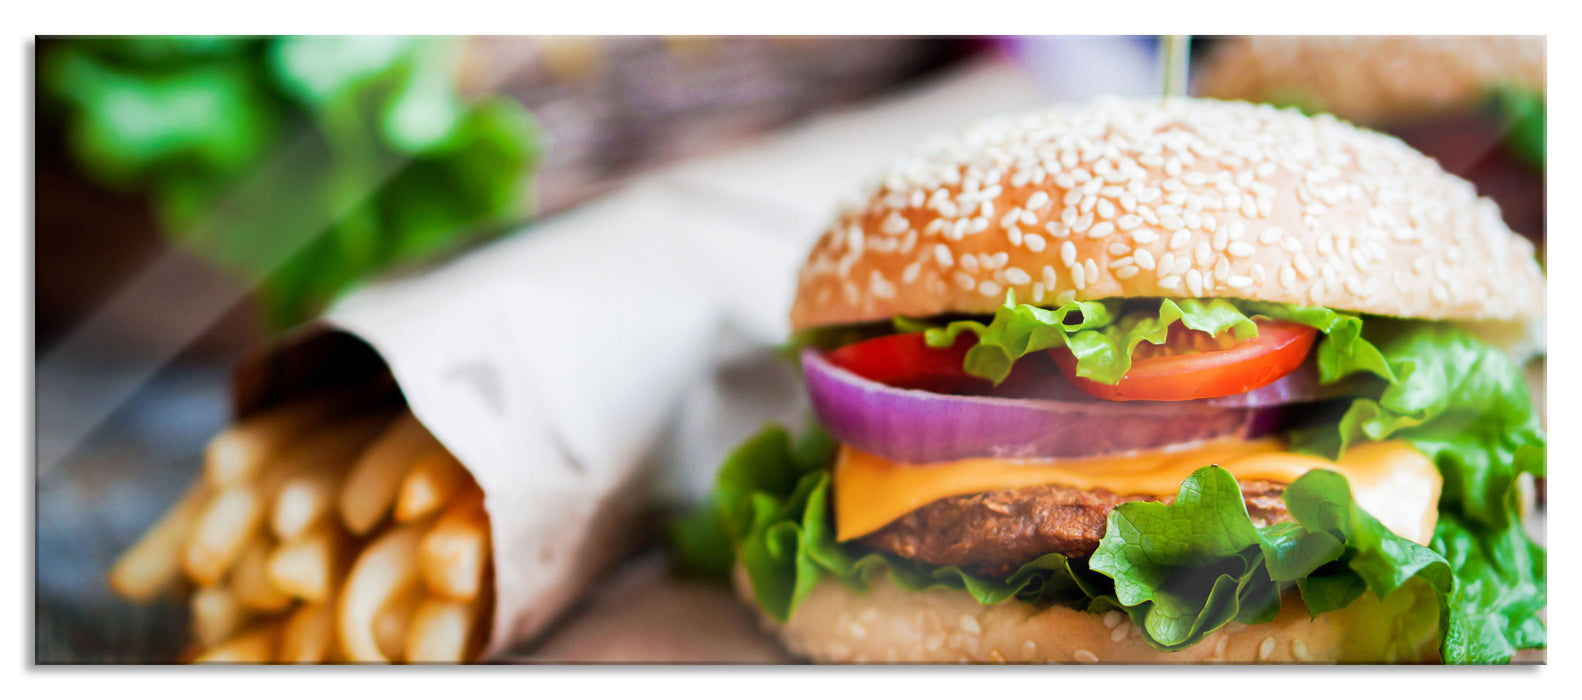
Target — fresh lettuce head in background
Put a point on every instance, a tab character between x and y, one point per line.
302	164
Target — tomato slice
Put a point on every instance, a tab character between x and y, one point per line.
1195	365
907	362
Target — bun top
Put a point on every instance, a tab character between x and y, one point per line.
1168	197
1372	79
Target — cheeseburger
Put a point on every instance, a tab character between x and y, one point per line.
1150	381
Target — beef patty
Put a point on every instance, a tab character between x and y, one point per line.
994	532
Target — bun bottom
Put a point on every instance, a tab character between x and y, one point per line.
888	624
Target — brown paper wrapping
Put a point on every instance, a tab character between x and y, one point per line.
550	362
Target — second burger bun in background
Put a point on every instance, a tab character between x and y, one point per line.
1372	80
1178	198
1474	103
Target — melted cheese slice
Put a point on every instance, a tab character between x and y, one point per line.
1390	480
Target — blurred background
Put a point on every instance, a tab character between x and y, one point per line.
196	197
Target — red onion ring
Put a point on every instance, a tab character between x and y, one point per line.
920	427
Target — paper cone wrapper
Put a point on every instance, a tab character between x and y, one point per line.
550	362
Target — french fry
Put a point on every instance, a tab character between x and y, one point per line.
386	570
370	488
309	567
454	552
431	483
154	562
222	527
256	646
440	631
251	583
390	624
240	451
318	465
216	615
309	634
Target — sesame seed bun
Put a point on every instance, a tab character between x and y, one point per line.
1375	80
1168	197
890	625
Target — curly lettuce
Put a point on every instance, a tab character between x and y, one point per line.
1183	570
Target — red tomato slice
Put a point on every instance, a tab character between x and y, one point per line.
1195	365
907	362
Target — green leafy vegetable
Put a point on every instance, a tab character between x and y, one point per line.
302	164
1523	115
1098	335
1182	570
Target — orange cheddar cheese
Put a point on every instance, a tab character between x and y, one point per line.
1390	480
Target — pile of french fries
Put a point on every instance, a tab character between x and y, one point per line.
323	530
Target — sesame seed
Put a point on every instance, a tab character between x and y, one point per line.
1119	633
1113	618
1170	282
1145	259
1029	649
1034	242
1083	222
1171	221
1119	248
1304	266
1068	253
1266	649
1065	297
969	263
1016	275
1239	281
1092	269
965	281
1011	217
1014	235
969	624
1221	240
1299	650
1271	235
942	255
1038	200
1105	209
894	224
1203	254
1049	277
1180	239
1288	276
1127	272
989	289
1129	222
1079	277
1194	280
1085	656
1241	249
857	630
1219	646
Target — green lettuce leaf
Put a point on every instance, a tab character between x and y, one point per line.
769	510
1097	333
1182	570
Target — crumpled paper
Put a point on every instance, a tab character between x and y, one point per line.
604	360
